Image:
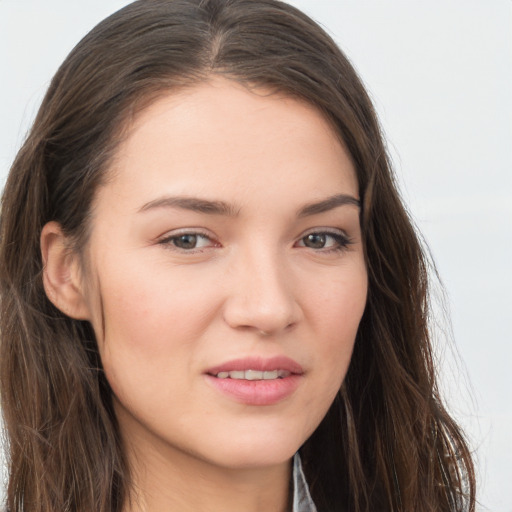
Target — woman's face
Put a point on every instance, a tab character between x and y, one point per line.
225	277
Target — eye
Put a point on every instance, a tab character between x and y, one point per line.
188	241
324	240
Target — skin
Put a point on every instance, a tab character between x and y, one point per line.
254	285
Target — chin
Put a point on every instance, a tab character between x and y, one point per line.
254	459
256	449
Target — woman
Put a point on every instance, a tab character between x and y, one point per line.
217	272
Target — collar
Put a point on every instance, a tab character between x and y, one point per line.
302	501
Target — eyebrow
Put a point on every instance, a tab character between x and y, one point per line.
328	204
212	207
194	204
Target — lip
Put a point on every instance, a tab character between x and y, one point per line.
258	363
257	392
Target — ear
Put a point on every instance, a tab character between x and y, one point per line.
61	273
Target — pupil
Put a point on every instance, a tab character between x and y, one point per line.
315	241
186	241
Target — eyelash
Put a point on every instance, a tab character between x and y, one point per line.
342	241
169	241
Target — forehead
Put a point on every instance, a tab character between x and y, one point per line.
220	138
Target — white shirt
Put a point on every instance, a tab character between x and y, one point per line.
302	501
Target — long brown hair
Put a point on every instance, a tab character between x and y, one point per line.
387	443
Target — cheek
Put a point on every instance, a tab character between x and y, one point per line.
146	310
148	328
337	305
345	309
335	311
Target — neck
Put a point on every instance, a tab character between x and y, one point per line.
164	478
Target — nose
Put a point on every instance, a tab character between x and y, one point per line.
260	296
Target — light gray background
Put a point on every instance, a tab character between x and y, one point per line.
440	74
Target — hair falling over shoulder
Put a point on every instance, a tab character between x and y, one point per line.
387	443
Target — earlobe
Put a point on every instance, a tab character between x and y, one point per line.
61	273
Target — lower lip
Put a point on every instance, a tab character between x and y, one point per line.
256	392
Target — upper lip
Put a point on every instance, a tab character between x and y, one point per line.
258	363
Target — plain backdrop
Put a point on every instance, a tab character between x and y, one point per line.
440	74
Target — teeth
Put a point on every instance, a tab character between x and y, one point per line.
254	375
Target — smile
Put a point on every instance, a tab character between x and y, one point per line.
255	380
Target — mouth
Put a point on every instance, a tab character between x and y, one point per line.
257	368
253	374
257	381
